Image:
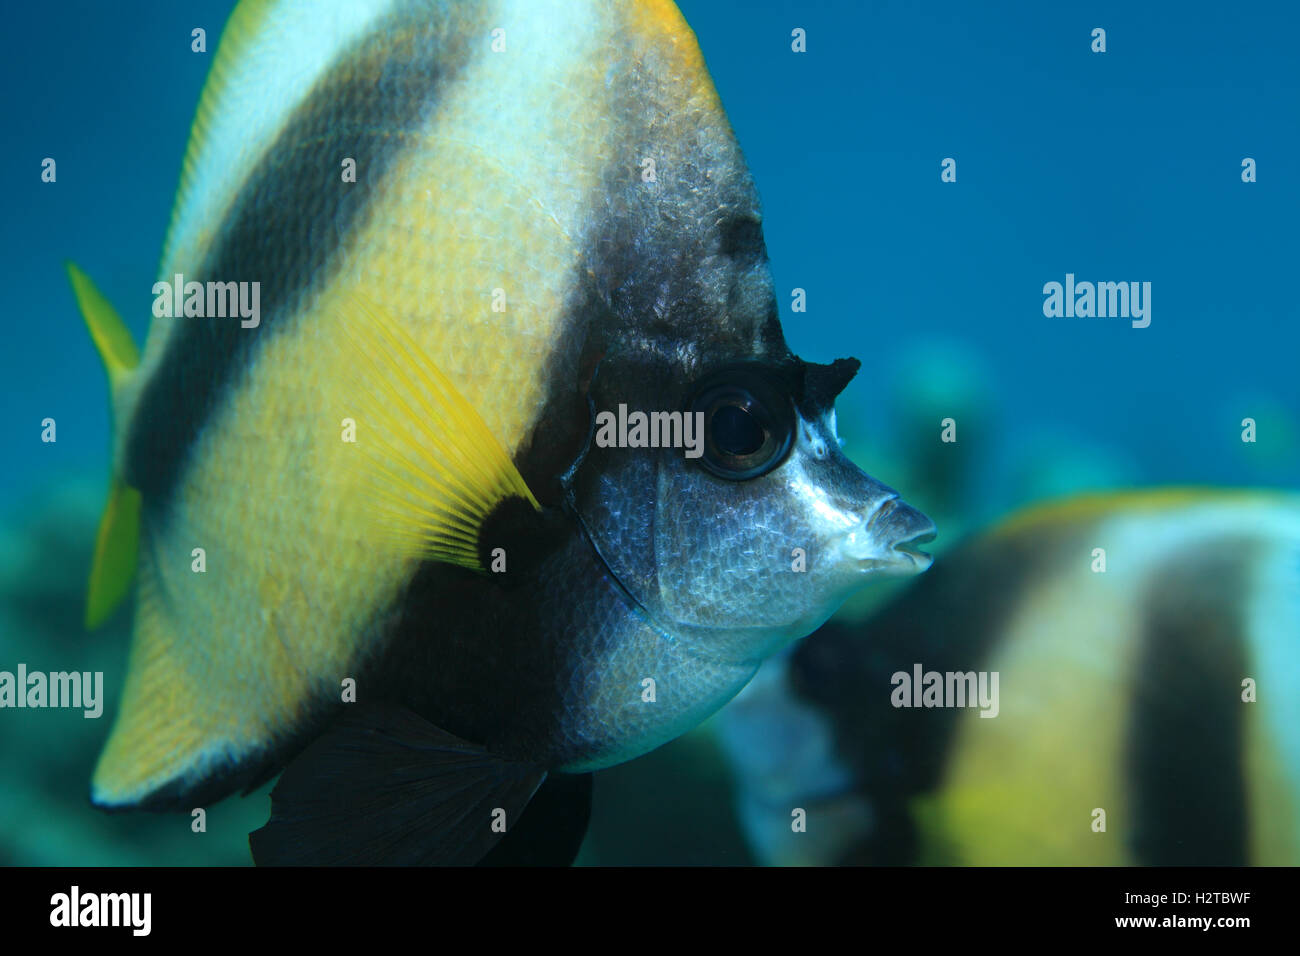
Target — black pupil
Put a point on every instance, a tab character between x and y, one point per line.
735	431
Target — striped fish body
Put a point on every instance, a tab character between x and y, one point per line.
472	175
471	225
1159	688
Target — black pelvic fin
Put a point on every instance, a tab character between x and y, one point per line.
384	787
553	826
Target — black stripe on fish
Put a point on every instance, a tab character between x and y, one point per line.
288	225
493	662
596	325
680	262
1184	761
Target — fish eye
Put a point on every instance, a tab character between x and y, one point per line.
748	424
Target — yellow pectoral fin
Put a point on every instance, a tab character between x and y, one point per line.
115	553
427	463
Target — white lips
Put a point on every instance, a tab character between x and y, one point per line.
889	539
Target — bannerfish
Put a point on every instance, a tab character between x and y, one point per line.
1147	648
381	533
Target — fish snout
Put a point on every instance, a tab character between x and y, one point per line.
889	539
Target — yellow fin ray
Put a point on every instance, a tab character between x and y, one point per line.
430	468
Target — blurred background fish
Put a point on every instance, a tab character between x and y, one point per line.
1146	707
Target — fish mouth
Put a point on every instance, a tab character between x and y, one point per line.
900	531
910	547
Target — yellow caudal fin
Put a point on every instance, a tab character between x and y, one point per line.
119	528
431	468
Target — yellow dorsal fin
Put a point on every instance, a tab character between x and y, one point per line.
429	465
119	528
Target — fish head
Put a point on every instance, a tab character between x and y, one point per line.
755	530
756	536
